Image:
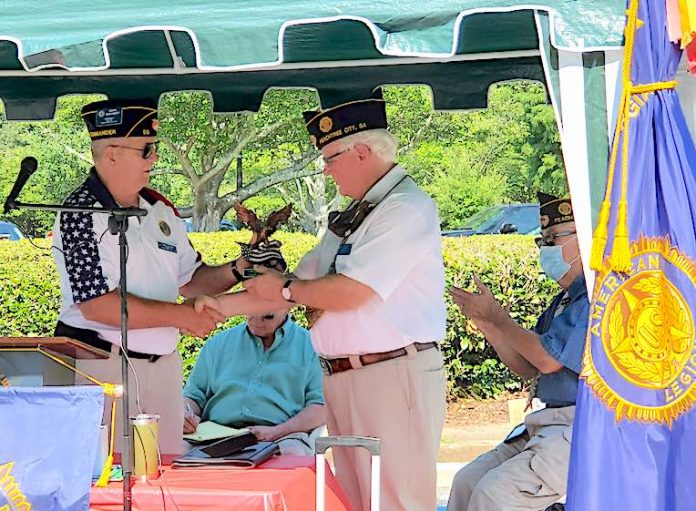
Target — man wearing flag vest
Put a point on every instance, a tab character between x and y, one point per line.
161	265
375	286
529	470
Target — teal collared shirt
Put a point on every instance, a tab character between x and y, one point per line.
236	381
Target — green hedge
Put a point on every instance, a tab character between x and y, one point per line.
509	266
29	296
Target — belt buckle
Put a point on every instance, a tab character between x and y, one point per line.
325	366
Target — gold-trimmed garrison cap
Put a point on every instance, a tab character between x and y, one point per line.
340	121
554	211
121	118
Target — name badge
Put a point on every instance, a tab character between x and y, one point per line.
109	117
167	247
344	249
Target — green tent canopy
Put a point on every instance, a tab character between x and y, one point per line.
215	35
238	50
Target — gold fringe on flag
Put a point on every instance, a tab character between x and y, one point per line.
620	258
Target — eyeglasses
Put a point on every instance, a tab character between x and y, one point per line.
326	160
147	151
549	240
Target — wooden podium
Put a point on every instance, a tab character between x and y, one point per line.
24	364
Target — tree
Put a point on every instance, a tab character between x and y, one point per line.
314	197
62	149
226	158
465	160
457	181
473	159
204	159
536	142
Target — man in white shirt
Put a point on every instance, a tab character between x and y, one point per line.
161	265
376	284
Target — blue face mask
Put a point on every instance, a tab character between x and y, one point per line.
552	262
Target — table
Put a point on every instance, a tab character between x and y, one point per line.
283	483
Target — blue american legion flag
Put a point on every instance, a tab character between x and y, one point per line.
48	442
634	437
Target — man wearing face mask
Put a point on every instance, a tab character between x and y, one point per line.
529	470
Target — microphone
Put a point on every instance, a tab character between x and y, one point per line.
26	169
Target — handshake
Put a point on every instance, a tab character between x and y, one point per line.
205	312
197	321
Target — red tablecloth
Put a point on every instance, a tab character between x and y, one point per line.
284	483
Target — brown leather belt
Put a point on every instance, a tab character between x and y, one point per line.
338	365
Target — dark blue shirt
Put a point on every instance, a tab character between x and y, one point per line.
563	337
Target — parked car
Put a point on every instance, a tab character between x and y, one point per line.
225	225
228	225
9	231
503	219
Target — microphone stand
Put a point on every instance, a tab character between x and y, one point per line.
118	224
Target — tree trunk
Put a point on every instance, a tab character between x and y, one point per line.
209	222
314	203
207	211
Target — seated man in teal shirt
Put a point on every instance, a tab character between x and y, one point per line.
262	375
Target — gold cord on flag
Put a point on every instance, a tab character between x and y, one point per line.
620	259
109	462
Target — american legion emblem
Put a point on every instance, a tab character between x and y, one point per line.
640	358
10	491
164	227
325	124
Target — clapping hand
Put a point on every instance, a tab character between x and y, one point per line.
480	306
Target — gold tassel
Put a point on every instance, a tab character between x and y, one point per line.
621	252
106	471
599	238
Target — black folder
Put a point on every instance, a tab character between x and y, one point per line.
247	457
229	445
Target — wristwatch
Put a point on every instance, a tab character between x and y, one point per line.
286	291
238	276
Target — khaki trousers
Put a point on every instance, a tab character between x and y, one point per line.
401	401
158	386
528	474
